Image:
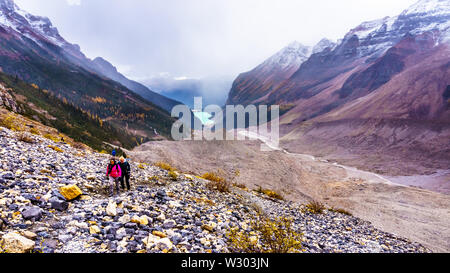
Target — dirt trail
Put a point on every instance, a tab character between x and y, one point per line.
393	207
352	171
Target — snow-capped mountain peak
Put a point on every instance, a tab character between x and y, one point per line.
31	26
322	45
429	7
376	36
292	55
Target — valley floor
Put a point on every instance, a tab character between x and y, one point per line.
417	214
159	214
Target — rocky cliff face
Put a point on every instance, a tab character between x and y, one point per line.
7	101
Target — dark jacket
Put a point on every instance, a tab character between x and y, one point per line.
125	167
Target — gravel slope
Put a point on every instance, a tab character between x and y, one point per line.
156	216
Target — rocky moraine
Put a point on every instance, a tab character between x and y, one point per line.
53	199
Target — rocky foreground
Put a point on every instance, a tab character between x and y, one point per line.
38	181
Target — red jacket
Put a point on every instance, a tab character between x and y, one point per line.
115	172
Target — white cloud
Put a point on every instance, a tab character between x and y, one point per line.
201	38
74	2
123	68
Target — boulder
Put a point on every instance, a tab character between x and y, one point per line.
33	213
91	177
135	219
125	219
143	220
150	240
169	224
70	192
58	204
15	243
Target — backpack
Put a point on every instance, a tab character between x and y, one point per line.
114	172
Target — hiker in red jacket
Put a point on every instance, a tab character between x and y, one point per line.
113	172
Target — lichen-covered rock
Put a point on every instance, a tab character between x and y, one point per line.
70	192
143	220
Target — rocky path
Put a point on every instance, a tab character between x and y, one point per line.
352	171
158	215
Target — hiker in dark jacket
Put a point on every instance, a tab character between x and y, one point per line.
113	172
126	170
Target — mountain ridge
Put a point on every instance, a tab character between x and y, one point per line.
33	50
383	80
11	16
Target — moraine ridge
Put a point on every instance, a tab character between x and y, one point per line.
157	215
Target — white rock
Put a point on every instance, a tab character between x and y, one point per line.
161	217
150	240
111	209
15	243
164	243
125	219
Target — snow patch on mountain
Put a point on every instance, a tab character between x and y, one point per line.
377	36
322	45
31	26
292	55
429	7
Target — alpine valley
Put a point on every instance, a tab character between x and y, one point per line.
362	166
378	99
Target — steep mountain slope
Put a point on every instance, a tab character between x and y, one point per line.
39	28
46	108
375	52
366	51
254	85
105	68
32	49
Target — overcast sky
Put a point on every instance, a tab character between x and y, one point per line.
198	38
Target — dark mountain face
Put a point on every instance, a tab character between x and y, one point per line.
32	49
376	75
105	68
